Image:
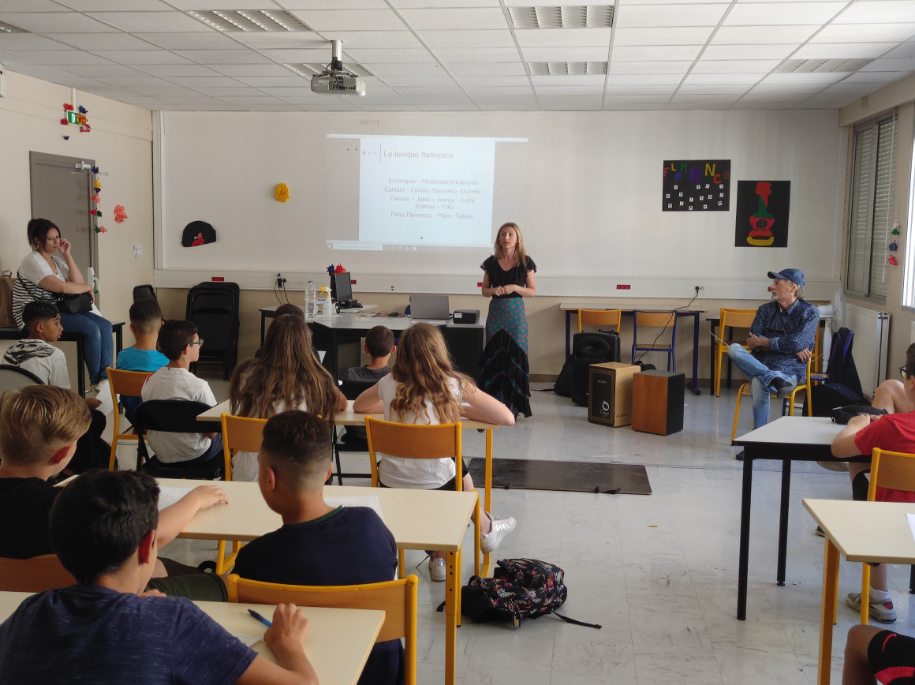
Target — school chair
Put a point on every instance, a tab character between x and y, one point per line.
787	403
37	574
396	598
173	416
413	441
123	384
239	434
650	322
606	318
14	378
729	319
889	471
350	440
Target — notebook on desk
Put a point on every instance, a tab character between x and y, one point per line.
434	307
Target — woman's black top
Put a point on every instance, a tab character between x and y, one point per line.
517	275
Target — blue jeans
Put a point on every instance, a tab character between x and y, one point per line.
96	332
761	377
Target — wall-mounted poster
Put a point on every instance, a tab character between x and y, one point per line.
762	213
697	185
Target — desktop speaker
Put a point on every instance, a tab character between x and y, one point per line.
657	402
466	316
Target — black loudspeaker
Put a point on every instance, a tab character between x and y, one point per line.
657	402
587	349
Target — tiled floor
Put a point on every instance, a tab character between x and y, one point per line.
659	572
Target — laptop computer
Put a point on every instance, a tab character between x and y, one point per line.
434	307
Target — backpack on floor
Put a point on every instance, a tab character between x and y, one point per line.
519	589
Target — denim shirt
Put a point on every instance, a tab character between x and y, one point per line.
789	331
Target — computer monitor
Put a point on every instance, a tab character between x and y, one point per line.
341	287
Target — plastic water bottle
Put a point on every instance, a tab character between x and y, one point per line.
311	300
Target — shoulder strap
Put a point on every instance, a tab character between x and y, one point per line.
576	622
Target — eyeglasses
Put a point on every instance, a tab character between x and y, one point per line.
903	372
197	342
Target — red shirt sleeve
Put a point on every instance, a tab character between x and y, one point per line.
877	434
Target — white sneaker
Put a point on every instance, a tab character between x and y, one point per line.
437	569
883	612
500	528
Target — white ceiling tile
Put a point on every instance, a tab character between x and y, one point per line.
31	6
374	39
673	67
740	35
291	81
653	16
246	100
224	4
689	35
653	53
589	80
398	80
901	51
304	56
351	20
879	12
141	56
99	41
408	4
611	101
455	19
65	57
138	83
742	66
636	79
151	22
23	42
786	89
640	89
201	81
507	91
890	65
282	40
865	33
691	101
170	70
560	89
54	22
841	50
824	78
104	70
732	89
266	69
384	70
240	56
723	79
13	60
490	80
489	38
749	51
770	14
115	5
228	91
570	103
477	55
208	40
563	37
565	54
875	76
481	68
393	55
332	4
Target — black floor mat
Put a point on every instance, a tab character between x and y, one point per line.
565	476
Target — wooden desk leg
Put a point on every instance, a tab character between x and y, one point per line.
487	484
451	589
828	610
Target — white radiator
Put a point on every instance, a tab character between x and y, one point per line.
872	336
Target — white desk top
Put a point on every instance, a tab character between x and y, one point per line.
356	321
795	430
363	308
336	661
867	531
418	519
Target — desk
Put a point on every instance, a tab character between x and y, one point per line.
787	439
270	312
336	661
418	519
860	531
572	308
72	336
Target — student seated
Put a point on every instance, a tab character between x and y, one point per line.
145	322
179	341
424	388
39	428
882	654
379	345
102	630
286	375
35	353
318	544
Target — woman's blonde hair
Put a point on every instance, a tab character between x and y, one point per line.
423	370
286	371
520	253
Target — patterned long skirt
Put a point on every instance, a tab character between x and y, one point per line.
504	364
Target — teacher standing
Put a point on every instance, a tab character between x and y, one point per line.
50	273
509	276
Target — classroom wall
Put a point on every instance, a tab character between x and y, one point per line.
121	144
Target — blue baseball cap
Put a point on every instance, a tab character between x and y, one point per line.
796	276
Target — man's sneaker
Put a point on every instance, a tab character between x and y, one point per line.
437	569
780	386
882	612
500	528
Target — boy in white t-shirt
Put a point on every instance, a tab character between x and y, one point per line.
179	341
35	353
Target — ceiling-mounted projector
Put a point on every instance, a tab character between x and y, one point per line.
336	78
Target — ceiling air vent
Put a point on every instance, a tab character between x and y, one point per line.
569	17
821	66
9	28
253	21
567	68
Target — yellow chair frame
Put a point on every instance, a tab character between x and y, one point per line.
413	441
37	574
239	434
789	398
729	318
600	317
122	384
888	470
397	598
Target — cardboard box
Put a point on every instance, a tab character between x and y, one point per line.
610	393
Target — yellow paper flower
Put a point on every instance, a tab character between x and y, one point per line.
281	192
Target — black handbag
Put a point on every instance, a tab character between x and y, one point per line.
75	304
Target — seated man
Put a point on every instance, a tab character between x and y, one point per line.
780	342
882	654
101	630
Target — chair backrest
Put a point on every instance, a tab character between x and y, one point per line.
14	378
126	383
144	292
736	318
240	434
608	318
655	319
891	471
173	416
414	442
37	574
352	389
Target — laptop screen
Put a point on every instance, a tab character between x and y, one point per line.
429	307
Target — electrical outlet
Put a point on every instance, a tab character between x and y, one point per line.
698	288
280	281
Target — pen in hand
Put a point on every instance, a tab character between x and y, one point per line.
260	618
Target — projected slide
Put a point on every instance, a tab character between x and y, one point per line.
421	191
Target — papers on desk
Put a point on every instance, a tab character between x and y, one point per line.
370	501
168	495
248	640
912	524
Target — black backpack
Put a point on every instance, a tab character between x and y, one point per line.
519	588
587	348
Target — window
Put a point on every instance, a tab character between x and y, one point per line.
871	211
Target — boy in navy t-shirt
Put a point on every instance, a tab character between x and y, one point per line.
318	544
101	630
